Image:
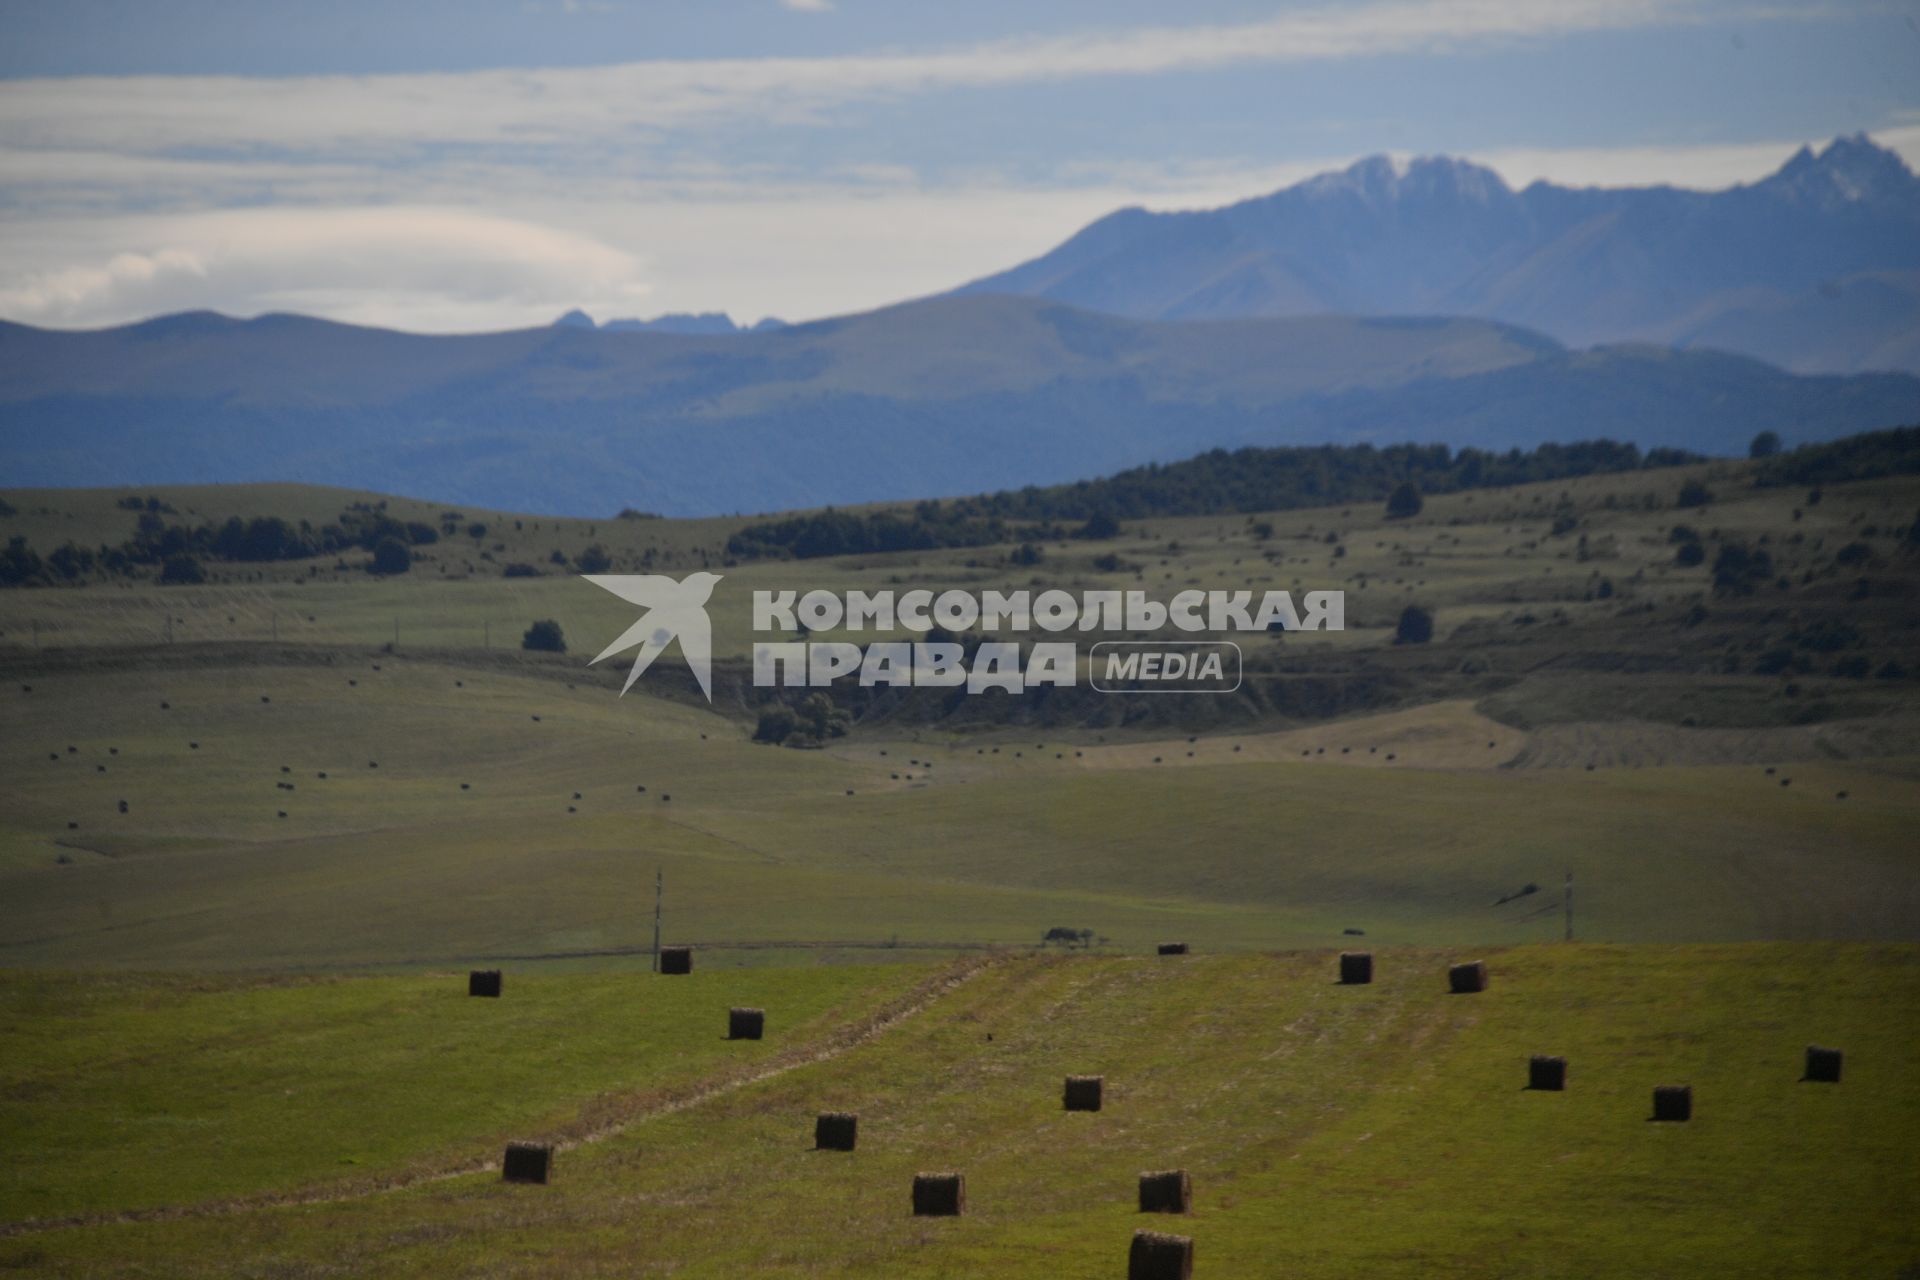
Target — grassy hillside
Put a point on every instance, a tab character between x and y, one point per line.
1330	1131
467	840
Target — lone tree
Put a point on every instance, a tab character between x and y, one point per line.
1404	502
544	636
594	559
1764	445
1416	626
390	555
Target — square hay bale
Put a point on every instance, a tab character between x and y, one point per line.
1173	948
1673	1102
1823	1065
1083	1093
1356	968
1546	1073
1169	1191
836	1130
527	1162
1156	1256
746	1024
484	982
939	1195
1465	979
676	959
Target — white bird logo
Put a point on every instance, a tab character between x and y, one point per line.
672	609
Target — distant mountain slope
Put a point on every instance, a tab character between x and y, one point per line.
949	396
1816	268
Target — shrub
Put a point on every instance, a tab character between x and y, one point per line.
1693	494
545	637
1764	445
777	723
1026	553
517	570
1689	555
594	560
1099	526
1416	626
182	571
390	555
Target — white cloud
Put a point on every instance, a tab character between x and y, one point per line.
612	104
808	6
417	267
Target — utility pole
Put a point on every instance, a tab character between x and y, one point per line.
1569	902
659	880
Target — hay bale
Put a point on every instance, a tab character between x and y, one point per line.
1466	979
939	1195
1673	1102
835	1130
484	982
1356	968
1173	948
746	1024
1083	1093
1823	1065
1169	1191
527	1162
676	960
1156	1256
1545	1073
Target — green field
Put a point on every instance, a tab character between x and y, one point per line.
1329	1131
249	845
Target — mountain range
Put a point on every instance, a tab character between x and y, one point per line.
944	396
1815	268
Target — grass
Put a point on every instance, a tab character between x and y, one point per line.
398	866
135	1092
1330	1131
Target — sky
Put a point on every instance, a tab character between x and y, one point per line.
462	165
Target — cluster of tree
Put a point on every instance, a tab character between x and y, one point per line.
808	725
1275	479
1868	456
180	548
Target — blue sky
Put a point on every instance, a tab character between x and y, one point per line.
457	166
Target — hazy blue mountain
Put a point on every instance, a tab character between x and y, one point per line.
947	396
704	322
1815	268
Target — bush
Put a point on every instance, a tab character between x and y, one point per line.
182	571
1026	553
1099	526
390	555
1416	626
1693	494
1689	555
1404	502
1764	445
777	723
594	560
544	637
518	570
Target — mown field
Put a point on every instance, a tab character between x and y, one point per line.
252	834
1329	1131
